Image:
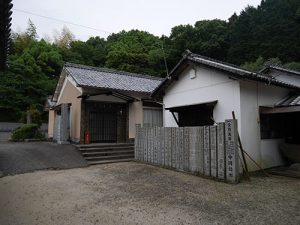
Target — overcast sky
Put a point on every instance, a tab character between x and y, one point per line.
154	16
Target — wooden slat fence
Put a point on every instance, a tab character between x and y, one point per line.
210	150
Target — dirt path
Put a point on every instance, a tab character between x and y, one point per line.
133	193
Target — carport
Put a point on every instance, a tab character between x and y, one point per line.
282	120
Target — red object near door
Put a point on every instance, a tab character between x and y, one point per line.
87	137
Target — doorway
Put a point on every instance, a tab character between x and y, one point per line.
103	126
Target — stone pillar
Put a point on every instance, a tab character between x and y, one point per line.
231	144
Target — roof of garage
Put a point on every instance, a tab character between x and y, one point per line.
87	76
107	79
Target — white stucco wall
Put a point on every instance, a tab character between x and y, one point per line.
208	85
255	94
243	97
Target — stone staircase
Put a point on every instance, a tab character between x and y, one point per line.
107	153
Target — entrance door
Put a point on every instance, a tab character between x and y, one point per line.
103	126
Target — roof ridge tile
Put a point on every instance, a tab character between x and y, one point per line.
108	70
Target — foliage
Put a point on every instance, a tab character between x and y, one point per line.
27	131
135	51
65	38
270	30
35	114
33	68
254	66
293	66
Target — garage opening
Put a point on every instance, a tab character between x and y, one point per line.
280	123
194	115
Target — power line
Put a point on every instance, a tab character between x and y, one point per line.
62	21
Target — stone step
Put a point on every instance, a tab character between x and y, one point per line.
114	152
107	152
103	145
99	149
98	158
109	161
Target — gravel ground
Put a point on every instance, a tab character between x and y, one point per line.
24	157
134	193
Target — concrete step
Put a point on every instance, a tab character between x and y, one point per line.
104	145
120	156
114	152
99	149
107	152
108	161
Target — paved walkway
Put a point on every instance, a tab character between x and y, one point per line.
23	157
134	193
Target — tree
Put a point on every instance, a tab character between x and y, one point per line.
133	51
64	38
31	30
270	30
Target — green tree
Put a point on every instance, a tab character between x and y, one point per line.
133	51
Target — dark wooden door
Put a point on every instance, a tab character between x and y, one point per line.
103	126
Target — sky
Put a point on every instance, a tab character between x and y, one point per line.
111	16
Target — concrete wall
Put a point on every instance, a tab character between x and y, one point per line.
208	85
253	95
69	94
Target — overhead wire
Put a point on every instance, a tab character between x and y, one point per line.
62	21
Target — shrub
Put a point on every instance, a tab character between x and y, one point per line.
35	114
27	131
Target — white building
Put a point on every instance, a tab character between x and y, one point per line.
200	91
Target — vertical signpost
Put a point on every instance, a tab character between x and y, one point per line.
231	144
221	151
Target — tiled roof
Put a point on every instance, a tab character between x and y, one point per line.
293	100
87	76
235	71
279	68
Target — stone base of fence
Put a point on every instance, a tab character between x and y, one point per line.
210	151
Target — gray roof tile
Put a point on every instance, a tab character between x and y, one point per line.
87	76
293	100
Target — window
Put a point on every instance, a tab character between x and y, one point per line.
153	117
